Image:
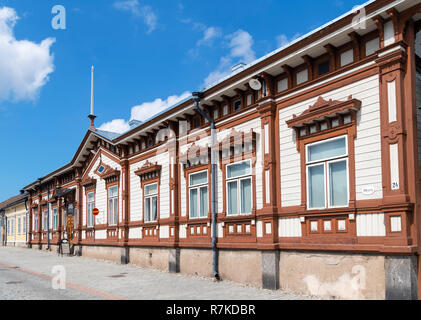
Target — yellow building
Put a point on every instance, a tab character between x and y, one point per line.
14	213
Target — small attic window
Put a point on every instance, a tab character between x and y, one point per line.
150	143
101	169
323	68
196	122
237	105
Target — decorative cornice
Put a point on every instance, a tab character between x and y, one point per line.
148	167
88	181
323	108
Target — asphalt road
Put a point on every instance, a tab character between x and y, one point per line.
29	275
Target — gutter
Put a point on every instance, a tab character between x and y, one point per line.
197	96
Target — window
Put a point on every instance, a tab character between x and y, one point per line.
112	205
327	173
239	194
224	110
19	225
150	143
101	169
55	219
45	220
36	223
24	224
237	105
196	122
90	207
198	194
151	202
264	89
323	68
75	219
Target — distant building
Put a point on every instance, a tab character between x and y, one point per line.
318	170
13	221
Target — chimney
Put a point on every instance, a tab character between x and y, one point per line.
134	123
238	67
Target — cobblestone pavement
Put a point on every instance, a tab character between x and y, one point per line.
27	274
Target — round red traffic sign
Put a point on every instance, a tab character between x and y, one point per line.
95	212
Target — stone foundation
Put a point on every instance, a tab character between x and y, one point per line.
321	274
16	244
330	275
155	258
102	253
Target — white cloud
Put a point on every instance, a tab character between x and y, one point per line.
149	109
24	65
144	12
240	44
282	40
117	125
209	34
143	112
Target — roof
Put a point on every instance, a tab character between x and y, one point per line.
12	201
107	134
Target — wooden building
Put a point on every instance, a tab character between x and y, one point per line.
318	172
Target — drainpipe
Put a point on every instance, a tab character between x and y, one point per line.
197	96
7	229
26	218
48	217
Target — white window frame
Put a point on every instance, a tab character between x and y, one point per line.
90	206
114	214
36	221
19	224
24	224
44	220
151	196
239	179
55	218
326	162
198	187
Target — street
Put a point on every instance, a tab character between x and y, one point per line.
31	274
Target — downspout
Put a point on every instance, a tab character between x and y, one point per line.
197	96
7	229
48	217
26	221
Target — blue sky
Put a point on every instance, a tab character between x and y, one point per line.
147	56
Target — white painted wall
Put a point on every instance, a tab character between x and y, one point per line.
254	125
101	193
136	193
367	145
371	225
289	227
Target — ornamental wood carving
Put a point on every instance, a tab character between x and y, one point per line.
149	171
88	182
195	156
322	109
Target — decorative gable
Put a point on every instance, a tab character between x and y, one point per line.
89	182
325	116
238	143
196	156
107	173
149	171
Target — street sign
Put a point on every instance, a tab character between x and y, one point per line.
95	212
